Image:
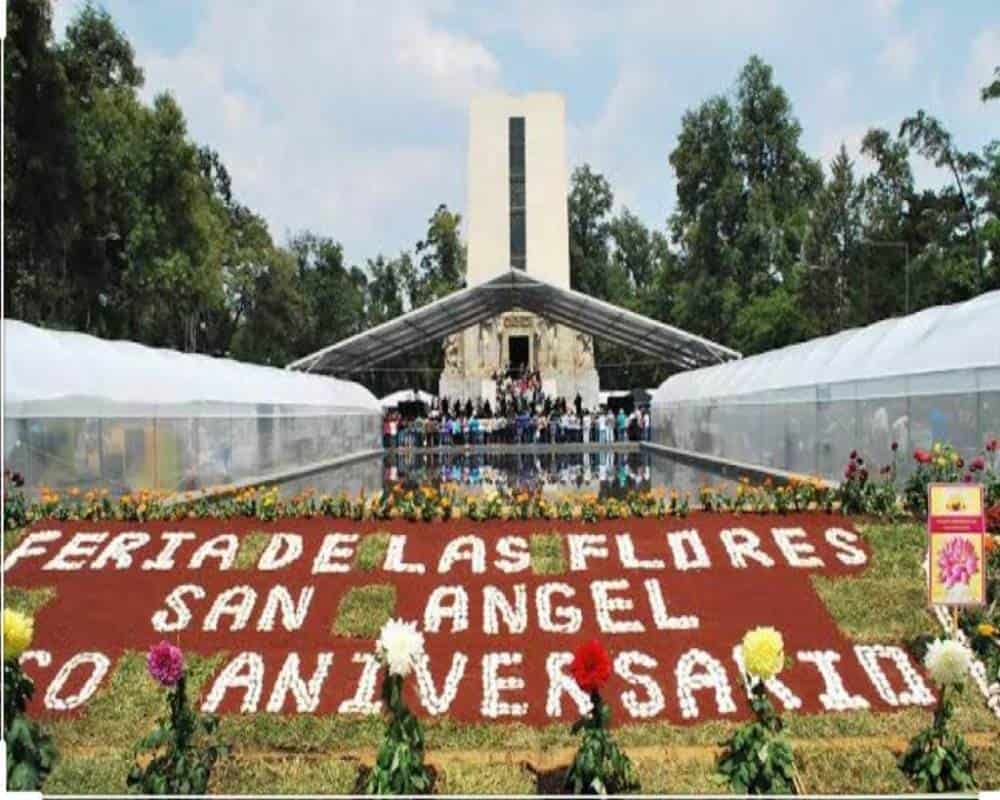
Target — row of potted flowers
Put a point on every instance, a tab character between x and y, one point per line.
863	490
424	503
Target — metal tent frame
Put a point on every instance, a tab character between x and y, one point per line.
508	291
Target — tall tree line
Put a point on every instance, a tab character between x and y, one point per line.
765	249
120	225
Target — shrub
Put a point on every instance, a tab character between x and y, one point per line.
30	751
860	493
15	505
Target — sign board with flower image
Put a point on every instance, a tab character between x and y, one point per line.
956	531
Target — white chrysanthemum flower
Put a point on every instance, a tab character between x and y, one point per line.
400	646
948	662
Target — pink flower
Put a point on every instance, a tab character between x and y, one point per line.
165	663
957	562
978	464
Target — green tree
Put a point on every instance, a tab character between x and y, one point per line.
992	90
929	138
832	249
96	56
334	295
40	167
590	203
275	309
385	289
441	259
744	190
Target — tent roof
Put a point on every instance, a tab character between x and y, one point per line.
504	292
943	339
59	373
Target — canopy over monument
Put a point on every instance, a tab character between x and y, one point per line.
509	291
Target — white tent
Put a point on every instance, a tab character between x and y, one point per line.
952	338
83	411
606	395
58	373
407	396
928	376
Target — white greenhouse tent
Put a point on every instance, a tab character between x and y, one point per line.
407	396
929	376
89	412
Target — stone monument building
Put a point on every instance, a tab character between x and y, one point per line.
517	217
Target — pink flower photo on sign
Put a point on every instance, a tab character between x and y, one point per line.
956	529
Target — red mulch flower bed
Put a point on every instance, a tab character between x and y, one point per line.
669	610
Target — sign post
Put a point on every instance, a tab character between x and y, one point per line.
956	539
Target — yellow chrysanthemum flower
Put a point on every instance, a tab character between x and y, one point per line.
985	629
17	632
763	652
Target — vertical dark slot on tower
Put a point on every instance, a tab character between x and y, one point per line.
518	235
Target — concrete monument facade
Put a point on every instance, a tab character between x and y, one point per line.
517	217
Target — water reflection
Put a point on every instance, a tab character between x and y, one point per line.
603	472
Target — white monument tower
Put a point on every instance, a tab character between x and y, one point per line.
517	218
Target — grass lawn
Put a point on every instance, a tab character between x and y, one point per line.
370	554
548	554
251	547
851	752
364	610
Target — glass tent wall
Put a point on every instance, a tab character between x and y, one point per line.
91	413
930	376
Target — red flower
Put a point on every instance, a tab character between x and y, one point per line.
922	456
591	666
978	464
895	446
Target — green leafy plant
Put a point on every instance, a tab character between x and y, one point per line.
938	758
600	766
399	766
15	504
940	464
181	762
758	758
30	751
861	493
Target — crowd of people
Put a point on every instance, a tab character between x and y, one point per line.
524	415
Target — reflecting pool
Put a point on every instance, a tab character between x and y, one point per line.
603	472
